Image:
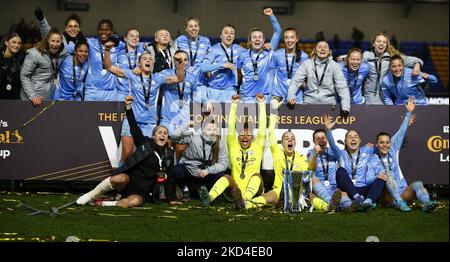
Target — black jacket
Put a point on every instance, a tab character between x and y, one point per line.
10	75
145	151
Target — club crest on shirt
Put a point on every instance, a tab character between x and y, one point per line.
360	77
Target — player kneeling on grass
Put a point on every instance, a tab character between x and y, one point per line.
386	161
153	159
245	158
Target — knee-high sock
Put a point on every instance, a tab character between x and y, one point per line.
345	202
322	192
252	187
255	202
320	204
421	192
392	186
218	188
99	190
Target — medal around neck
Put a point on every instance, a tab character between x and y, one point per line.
8	87
103	72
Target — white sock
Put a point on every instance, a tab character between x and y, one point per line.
109	203
99	190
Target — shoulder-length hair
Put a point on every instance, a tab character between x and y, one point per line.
43	45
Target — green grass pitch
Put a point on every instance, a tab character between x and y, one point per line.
220	222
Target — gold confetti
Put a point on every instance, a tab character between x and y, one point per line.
241	215
168	217
113	215
10	209
9	200
9	234
143	208
168	211
12	238
98	240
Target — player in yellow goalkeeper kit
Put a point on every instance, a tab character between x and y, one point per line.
245	157
283	159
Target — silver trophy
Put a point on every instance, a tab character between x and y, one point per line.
296	188
391	184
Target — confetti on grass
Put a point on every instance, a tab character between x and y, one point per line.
179	208
113	215
9	200
173	217
143	208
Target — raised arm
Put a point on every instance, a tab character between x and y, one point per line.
275	40
275	104
43	24
108	63
397	139
262	130
328	126
136	132
231	133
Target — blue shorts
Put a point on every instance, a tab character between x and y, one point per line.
146	128
94	94
220	96
201	95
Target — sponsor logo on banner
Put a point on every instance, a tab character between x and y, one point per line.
8	137
437	144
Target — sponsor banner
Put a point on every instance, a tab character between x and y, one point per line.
438	100
68	141
80	141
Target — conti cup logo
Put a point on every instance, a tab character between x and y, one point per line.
8	137
436	144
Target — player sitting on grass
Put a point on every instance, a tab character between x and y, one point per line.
153	159
385	160
245	158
